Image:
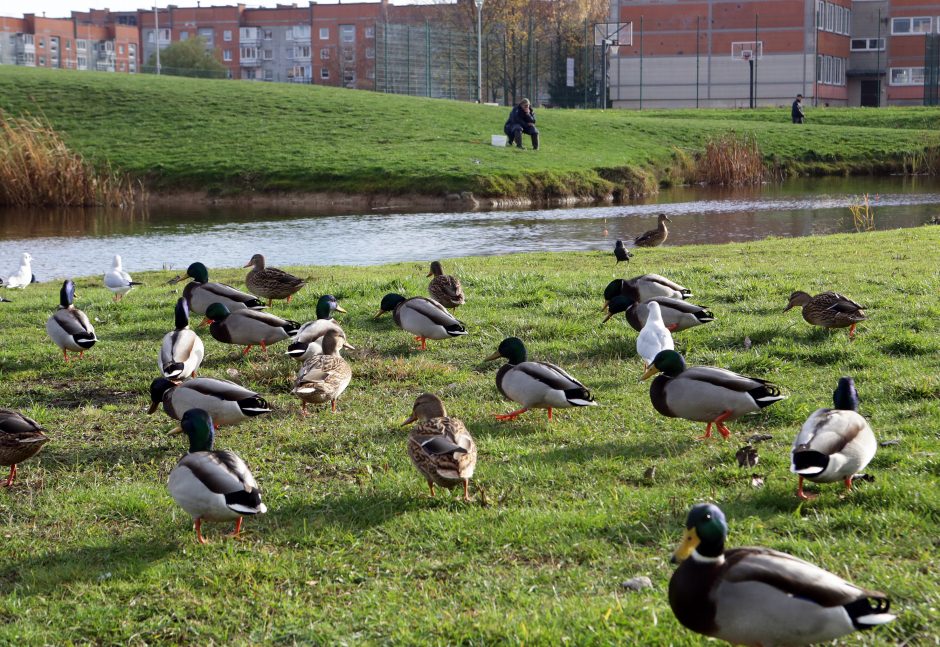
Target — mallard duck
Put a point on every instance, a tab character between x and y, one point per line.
119	281
621	253
182	351
248	327
323	378
440	446
677	314
424	318
535	385
654	337
654	237
227	402
834	444
705	393
829	310
758	596
23	276
200	293
69	327
307	342
270	282
20	438
643	288
445	289
4	300
212	485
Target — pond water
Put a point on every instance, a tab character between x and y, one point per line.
82	242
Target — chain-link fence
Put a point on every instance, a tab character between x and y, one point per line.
932	70
426	61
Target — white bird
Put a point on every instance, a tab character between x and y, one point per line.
654	337
24	275
119	281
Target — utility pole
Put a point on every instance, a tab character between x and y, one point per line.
156	35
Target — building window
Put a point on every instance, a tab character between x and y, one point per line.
347	33
268	35
227	35
81	44
867	44
349	76
325	34
370	74
370	52
82	62
324	73
909	26
121	50
249	33
226	55
42	42
269	54
269	74
42	60
164	35
907	76
369	32
27	39
349	55
68	44
325	54
208	34
249	53
132	50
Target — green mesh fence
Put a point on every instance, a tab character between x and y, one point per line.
425	61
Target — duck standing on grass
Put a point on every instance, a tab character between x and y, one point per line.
834	444
182	351
677	315
228	403
621	253
20	438
212	485
248	327
23	276
69	327
271	283
324	377
444	288
829	310
119	281
705	393
307	341
424	318
440	446
535	385
654	237
654	337
200	293
759	596
643	288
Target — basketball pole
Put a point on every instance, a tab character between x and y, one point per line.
750	64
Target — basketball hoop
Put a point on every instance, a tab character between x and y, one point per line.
746	54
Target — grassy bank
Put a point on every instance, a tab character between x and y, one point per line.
354	550
180	134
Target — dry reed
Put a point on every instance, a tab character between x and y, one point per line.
863	214
38	169
732	160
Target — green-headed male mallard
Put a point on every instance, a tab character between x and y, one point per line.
270	282
444	288
248	327
424	318
759	596
307	341
706	393
68	326
829	310
440	446
228	403
535	385
20	438
182	351
324	377
643	288
654	237
677	314
834	444
212	485
200	293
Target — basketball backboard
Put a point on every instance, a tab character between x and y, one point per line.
747	50
615	33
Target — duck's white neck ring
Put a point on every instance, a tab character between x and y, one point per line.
703	559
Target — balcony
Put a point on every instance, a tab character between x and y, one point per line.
249	62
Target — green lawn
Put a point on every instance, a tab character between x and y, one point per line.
225	137
354	551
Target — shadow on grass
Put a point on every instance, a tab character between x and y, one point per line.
627	450
355	511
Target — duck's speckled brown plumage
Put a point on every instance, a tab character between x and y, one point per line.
445	289
440	446
20	438
828	309
323	378
654	237
270	282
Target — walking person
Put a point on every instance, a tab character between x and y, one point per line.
796	110
522	120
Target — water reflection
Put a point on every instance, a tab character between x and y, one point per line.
80	242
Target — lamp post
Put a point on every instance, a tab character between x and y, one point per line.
156	36
479	4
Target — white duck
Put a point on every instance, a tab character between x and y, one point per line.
182	351
24	275
68	326
654	337
212	485
834	444
119	281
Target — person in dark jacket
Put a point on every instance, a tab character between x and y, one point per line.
522	120
796	110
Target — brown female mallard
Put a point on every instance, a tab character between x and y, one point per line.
654	237
270	282
440	446
445	289
20	438
323	378
829	310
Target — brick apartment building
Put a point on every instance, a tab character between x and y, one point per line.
68	43
836	52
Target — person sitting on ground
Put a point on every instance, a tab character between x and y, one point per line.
522	120
796	110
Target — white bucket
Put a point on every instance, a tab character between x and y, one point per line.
498	140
